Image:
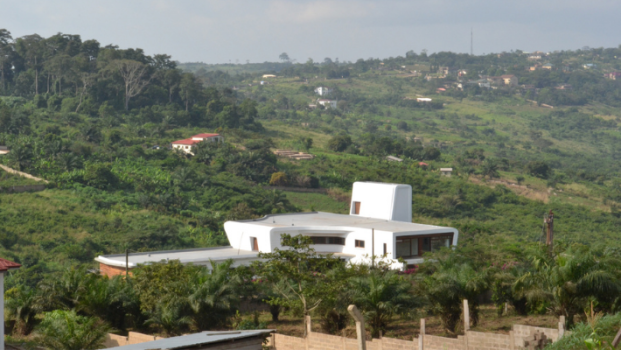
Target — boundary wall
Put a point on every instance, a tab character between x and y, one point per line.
470	341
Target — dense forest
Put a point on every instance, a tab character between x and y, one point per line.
97	122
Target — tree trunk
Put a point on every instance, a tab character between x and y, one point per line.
36	77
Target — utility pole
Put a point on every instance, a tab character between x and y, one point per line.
471	42
549	222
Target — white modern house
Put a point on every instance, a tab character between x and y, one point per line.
323	91
327	103
187	144
379	225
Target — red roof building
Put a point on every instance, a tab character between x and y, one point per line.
187	144
6	265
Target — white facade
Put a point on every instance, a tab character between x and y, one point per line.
323	91
379	225
380	200
327	103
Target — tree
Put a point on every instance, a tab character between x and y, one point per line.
298	274
21	309
380	295
135	77
65	330
168	318
216	295
538	169
6	50
339	143
452	282
189	88
571	279
489	168
32	48
284	57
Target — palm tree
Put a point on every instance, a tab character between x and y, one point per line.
68	161
21	309
572	278
65	330
169	318
489	168
451	283
380	295
114	300
216	295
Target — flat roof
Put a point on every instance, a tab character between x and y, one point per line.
321	219
194	340
185	256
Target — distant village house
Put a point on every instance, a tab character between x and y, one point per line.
327	103
323	91
188	144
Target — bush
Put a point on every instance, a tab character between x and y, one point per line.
339	143
279	179
539	169
100	176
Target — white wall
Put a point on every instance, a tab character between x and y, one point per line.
383	201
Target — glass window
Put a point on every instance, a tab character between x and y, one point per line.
359	244
403	248
414	247
440	242
408	247
328	240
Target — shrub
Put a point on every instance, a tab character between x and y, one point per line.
279	179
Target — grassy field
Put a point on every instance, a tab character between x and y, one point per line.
317	202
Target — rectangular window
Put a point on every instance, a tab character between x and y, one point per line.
411	247
385	249
328	240
355	208
359	244
254	243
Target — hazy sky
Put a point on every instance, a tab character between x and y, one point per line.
216	31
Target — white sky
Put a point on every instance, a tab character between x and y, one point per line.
216	31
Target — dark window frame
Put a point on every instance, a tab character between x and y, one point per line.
359	243
424	241
328	240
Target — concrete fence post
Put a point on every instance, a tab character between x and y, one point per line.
561	327
421	335
466	316
309	326
353	311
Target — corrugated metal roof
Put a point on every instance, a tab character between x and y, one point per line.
186	142
196	339
6	265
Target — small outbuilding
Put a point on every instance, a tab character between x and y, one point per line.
446	172
393	159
